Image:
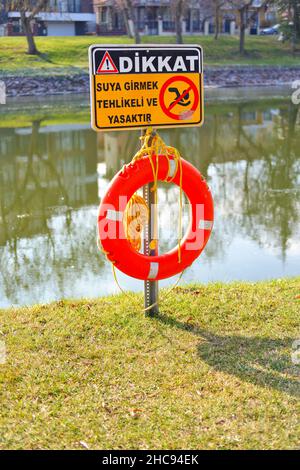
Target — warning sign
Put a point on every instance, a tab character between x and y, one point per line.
107	65
138	86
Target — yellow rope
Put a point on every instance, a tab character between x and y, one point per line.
156	148
136	216
137	212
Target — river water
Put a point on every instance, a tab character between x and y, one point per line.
54	170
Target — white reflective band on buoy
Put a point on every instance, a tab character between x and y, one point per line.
153	270
205	224
117	216
172	168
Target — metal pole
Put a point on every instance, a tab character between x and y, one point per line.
150	287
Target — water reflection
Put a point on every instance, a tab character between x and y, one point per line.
52	175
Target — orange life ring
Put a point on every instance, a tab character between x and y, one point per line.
110	219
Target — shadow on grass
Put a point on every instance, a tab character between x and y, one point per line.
45	58
260	361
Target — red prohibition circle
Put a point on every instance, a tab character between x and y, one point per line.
186	114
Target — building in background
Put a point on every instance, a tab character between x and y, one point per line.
156	17
64	18
3	18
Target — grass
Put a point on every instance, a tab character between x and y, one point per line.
46	118
69	54
213	371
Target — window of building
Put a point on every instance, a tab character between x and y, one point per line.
103	15
17	26
74	6
66	6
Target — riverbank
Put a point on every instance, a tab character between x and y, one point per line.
229	76
213	371
62	66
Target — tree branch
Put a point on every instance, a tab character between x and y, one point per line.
41	5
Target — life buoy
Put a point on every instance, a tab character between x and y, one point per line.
111	212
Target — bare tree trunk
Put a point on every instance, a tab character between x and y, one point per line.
242	30
217	20
178	21
32	49
297	24
135	26
297	18
127	26
293	42
242	40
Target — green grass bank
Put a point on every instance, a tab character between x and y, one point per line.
213	371
69	54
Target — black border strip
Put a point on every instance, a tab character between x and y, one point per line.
125	458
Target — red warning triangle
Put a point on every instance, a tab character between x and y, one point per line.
107	65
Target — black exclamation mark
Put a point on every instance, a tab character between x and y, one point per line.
107	64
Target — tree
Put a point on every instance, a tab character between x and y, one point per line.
131	21
296	11
207	11
289	11
247	13
126	19
28	10
178	7
217	5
